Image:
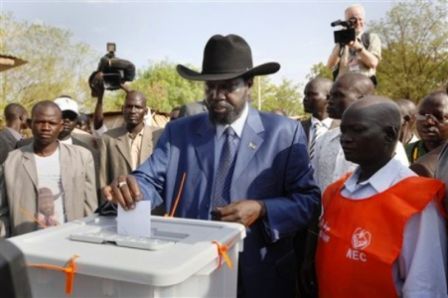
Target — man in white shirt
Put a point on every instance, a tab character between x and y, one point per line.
45	169
382	229
330	163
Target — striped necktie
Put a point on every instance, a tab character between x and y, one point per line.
223	178
317	132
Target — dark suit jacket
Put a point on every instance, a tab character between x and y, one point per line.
272	165
426	165
193	108
7	144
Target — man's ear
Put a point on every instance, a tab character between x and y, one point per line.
61	127
250	82
391	134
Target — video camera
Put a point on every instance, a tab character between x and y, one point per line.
345	36
115	71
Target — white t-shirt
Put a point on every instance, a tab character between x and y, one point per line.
50	184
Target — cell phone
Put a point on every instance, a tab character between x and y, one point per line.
111	47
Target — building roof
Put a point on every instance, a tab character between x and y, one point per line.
8	62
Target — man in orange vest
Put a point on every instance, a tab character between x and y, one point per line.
382	233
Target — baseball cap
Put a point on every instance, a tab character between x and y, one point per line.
67	104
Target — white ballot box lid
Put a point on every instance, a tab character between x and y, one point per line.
194	249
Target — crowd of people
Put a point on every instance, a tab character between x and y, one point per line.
347	203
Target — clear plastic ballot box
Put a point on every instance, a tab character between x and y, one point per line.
182	259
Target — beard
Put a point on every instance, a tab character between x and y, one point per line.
223	113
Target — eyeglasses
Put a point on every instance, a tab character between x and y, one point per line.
434	119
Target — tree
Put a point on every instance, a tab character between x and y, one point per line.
165	89
285	97
320	70
56	65
415	49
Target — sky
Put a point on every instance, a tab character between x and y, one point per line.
297	34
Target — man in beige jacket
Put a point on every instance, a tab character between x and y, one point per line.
124	148
65	172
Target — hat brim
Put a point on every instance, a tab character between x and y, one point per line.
263	69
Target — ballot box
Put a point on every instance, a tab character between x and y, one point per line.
86	258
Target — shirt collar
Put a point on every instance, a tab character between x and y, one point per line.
326	122
68	141
236	125
139	134
380	181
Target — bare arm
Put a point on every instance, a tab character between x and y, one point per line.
369	59
334	57
97	89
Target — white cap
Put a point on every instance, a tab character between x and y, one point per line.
67	104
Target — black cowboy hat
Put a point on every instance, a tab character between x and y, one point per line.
225	58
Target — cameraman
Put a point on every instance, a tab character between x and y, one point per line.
361	55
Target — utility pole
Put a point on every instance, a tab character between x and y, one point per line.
259	93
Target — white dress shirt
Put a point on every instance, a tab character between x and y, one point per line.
330	163
420	270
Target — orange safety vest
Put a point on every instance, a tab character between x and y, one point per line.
360	240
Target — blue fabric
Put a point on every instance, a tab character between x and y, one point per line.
221	191
272	165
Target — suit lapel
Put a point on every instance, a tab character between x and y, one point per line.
65	162
147	145
122	144
205	146
249	144
30	164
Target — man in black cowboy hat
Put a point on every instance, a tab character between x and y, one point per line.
241	165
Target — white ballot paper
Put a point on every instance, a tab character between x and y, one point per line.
135	222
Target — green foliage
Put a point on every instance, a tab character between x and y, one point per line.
415	49
165	89
56	65
320	70
270	97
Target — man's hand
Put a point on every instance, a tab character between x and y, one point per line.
123	190
355	44
125	87
97	85
245	212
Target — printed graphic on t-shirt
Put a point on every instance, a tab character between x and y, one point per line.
46	215
353	64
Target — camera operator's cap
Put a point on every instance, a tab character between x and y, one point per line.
227	57
67	104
